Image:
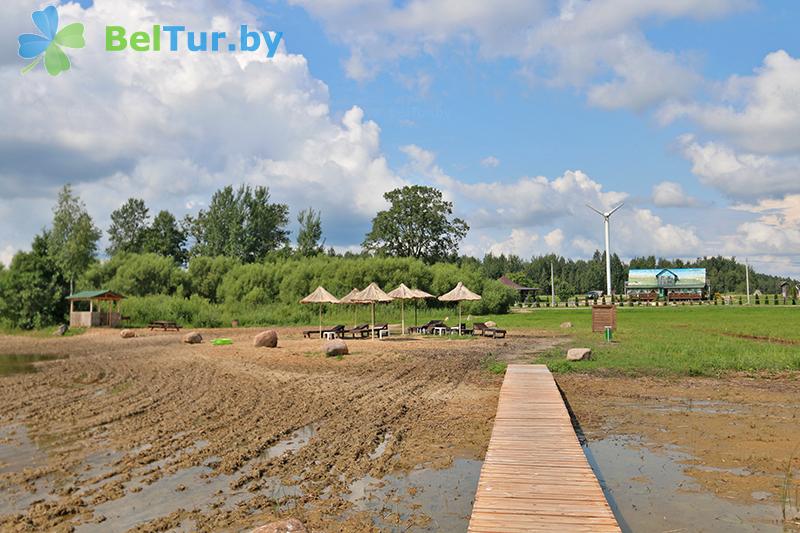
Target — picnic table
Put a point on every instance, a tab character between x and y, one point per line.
164	325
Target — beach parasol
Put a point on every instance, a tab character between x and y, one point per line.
350	299
459	294
320	296
371	295
403	293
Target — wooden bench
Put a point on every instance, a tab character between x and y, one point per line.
164	325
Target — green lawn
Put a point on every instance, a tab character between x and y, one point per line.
675	340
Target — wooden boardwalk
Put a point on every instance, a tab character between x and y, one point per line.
536	476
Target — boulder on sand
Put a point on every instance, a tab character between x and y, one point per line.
192	337
266	339
579	354
62	329
566	325
127	334
336	347
292	525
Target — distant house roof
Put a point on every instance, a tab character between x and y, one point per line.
784	283
103	294
514	285
688	278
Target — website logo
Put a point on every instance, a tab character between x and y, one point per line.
48	45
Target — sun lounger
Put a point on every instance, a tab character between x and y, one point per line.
426	329
484	330
335	329
360	331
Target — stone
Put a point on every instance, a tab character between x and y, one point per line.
127	334
266	339
336	347
566	325
579	354
491	324
192	337
62	329
290	525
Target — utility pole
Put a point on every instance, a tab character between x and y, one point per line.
747	278
552	287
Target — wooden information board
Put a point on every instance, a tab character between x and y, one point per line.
602	316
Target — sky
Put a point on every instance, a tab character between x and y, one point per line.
520	112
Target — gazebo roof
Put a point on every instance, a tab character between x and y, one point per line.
505	280
102	294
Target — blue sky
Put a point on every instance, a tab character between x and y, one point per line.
519	112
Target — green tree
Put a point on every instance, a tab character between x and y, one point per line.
128	228
166	237
32	291
73	238
418	224
242	224
309	236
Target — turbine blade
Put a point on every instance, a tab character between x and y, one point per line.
595	210
615	209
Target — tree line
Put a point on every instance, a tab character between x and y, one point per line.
235	258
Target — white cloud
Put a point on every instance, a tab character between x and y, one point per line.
741	175
554	239
490	162
173	127
671	194
7	254
759	113
579	42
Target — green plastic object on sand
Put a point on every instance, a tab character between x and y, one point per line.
221	342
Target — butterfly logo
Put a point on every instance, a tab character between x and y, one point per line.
48	45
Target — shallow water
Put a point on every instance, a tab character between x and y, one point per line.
444	496
17	453
649	492
23	364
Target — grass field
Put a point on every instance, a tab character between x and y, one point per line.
708	340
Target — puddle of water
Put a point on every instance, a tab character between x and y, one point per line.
650	492
18	452
445	496
294	442
381	448
23	364
191	488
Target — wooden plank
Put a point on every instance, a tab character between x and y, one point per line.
535	476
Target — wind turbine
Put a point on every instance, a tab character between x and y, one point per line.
606	216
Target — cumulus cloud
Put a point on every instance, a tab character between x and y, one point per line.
490	162
759	113
671	194
7	254
173	127
597	45
741	175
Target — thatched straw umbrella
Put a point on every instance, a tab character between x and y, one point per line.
419	295
371	295
403	293
350	299
459	294
320	296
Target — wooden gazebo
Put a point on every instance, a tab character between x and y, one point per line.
95	315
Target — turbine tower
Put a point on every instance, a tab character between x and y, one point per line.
606	216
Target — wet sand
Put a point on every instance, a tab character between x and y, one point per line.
149	434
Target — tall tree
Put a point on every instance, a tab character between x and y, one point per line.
32	290
128	227
417	224
309	236
241	224
166	237
73	238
